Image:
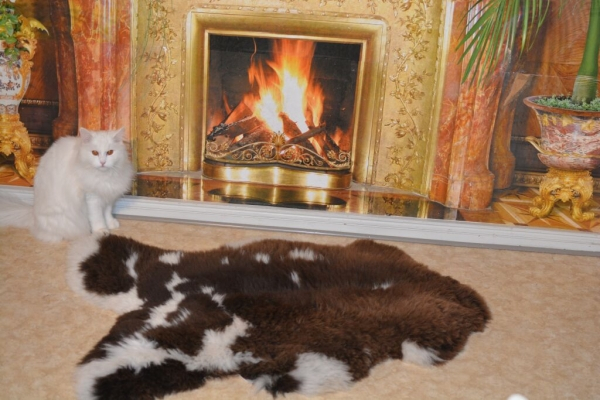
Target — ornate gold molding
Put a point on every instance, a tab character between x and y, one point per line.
160	36
566	186
14	138
407	155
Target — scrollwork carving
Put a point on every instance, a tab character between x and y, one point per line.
566	186
154	116
407	89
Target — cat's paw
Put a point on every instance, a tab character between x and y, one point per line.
112	223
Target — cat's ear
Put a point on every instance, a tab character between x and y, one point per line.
86	136
119	135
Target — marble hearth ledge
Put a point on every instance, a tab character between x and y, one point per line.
408	229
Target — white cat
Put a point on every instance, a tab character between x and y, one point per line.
77	182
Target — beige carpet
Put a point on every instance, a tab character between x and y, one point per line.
543	341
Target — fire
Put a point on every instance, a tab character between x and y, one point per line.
286	86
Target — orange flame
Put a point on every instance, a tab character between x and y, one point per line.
290	89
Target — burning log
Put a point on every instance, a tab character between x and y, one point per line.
306	135
240	112
330	144
290	128
239	122
330	149
257	136
231	131
242	128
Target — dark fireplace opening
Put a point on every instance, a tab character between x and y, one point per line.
287	102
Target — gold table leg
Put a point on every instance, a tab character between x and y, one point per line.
14	139
575	186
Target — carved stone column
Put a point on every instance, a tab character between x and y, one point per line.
461	177
67	122
451	91
502	162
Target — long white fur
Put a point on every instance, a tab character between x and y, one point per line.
216	353
171	257
137	352
76	185
413	353
319	374
159	314
304	254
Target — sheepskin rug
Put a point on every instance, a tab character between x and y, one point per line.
288	316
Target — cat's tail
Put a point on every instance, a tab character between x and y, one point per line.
15	212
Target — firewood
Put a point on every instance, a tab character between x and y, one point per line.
290	128
240	112
231	131
239	122
259	135
331	144
307	135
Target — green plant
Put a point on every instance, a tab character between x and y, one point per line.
566	102
16	31
493	27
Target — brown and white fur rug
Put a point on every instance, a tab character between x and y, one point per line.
288	316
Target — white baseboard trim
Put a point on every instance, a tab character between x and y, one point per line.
409	229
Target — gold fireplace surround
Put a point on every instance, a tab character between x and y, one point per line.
428	133
395	101
370	33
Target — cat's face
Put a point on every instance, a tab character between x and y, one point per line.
102	149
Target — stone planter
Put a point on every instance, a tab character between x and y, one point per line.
570	147
14	138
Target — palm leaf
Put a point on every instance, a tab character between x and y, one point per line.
492	27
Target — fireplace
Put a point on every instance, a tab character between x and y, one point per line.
283	104
417	128
282	99
387	67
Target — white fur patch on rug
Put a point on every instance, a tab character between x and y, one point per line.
288	316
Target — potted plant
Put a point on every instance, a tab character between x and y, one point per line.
17	47
570	124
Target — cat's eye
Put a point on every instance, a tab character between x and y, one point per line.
110	152
94	152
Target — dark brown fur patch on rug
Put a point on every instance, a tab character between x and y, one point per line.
288	316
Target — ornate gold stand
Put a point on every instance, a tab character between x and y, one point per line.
575	186
14	139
